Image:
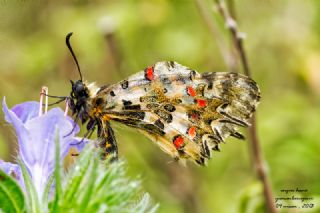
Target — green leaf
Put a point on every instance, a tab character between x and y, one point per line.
11	195
88	191
251	199
93	185
57	171
32	201
47	190
143	205
74	179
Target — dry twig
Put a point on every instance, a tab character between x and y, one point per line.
228	57
258	161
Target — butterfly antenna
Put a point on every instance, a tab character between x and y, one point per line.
72	53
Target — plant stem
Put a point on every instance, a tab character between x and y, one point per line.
237	38
258	160
229	59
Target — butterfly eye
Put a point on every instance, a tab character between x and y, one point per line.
79	89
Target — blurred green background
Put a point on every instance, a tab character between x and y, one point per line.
116	38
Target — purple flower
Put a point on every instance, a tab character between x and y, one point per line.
36	137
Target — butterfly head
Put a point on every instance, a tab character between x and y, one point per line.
79	91
79	96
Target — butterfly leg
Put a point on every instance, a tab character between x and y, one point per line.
107	141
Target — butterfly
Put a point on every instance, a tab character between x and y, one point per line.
187	114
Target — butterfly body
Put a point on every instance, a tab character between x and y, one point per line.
185	113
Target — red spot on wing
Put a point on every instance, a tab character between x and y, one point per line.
192	132
201	102
178	141
191	91
194	116
149	73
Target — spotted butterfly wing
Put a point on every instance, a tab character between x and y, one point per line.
185	113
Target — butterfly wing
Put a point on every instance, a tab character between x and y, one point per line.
185	113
